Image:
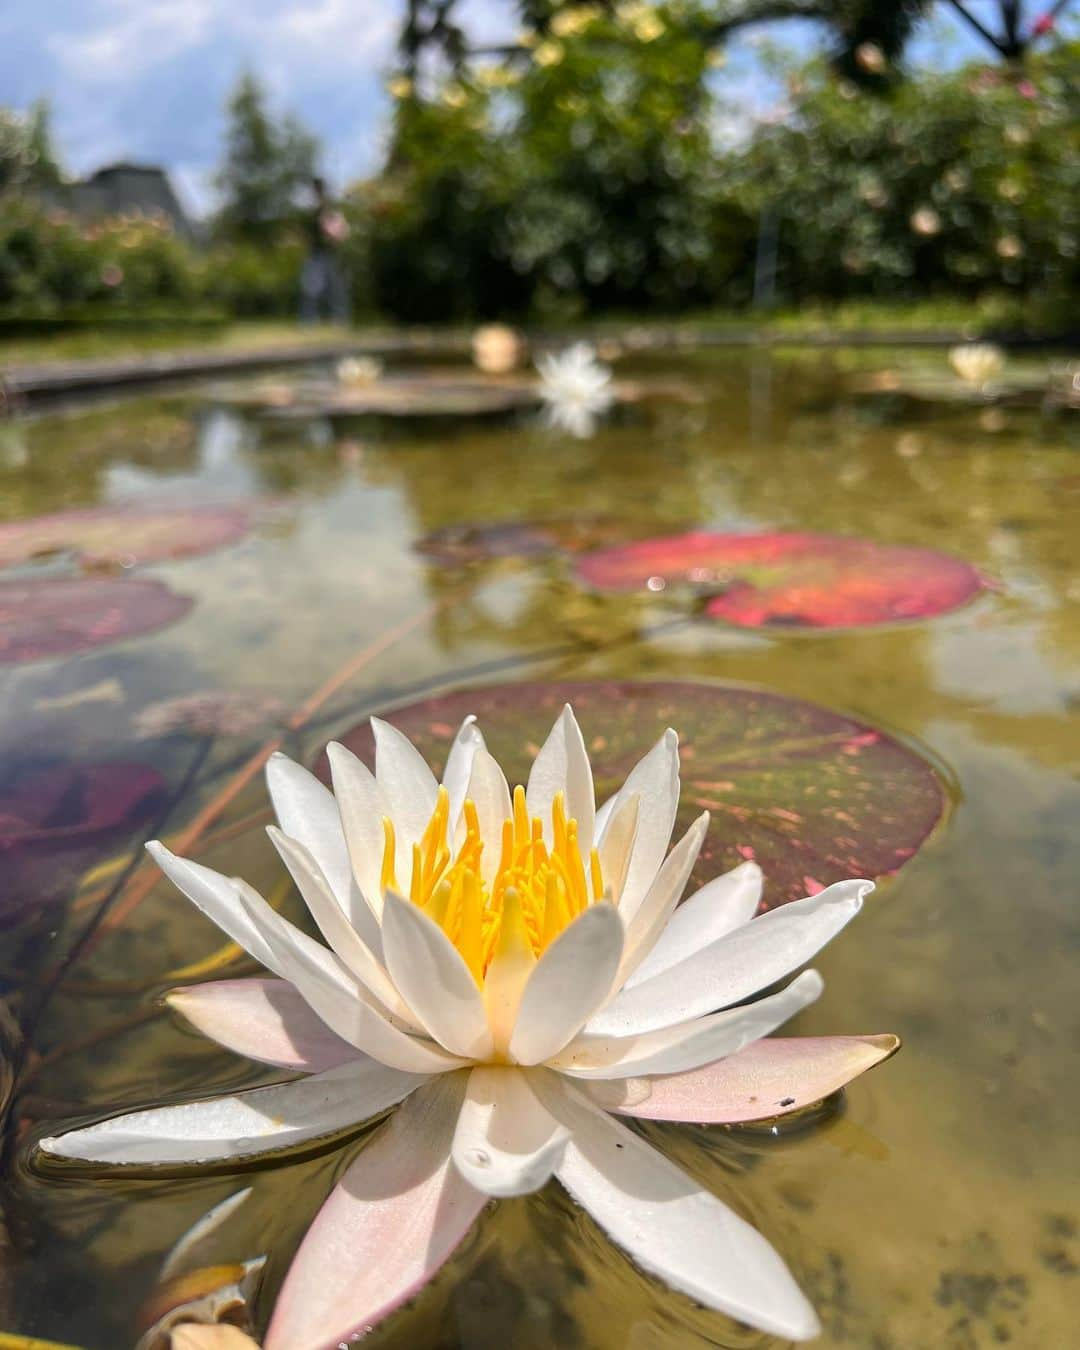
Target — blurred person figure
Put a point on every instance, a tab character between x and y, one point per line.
324	293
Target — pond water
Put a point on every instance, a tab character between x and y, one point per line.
937	1204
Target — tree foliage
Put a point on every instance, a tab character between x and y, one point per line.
268	163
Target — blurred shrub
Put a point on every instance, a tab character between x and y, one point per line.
254	281
967	182
583	179
51	262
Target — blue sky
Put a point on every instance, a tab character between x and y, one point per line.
147	79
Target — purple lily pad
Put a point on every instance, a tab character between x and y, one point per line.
55	820
41	619
792	579
122	536
812	795
483	541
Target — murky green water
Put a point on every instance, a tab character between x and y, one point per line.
939	1206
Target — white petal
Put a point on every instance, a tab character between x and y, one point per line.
675	1230
243	1124
362	809
489	792
337	930
570	981
676	1049
506	1142
662	896
736	966
337	1001
306	810
265	1020
434	980
771	1077
656	781
390	1223
617	845
193	1248
722	905
458	769
563	766
219	898
407	785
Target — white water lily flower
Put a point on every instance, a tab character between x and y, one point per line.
576	388
979	363
512	969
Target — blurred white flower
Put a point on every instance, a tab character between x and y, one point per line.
978	363
576	388
353	370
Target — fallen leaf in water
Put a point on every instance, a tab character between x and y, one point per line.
193	1337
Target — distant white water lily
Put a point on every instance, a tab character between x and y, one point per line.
576	388
512	969
979	363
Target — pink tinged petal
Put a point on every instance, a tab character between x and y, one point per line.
722	905
675	1230
337	1000
362	808
617	845
490	793
655	779
350	949
243	1124
238	910
570	981
691	1044
265	1020
563	766
394	1218
506	1142
407	785
769	1078
459	763
662	896
434	980
306	811
736	966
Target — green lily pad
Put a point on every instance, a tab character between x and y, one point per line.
122	536
40	619
810	794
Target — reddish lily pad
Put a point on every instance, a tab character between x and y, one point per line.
56	819
121	536
483	541
794	580
812	795
41	619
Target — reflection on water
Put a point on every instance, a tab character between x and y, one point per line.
939	1206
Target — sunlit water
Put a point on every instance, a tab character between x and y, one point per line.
936	1206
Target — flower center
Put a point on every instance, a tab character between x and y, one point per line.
528	898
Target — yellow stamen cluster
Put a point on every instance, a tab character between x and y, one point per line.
545	887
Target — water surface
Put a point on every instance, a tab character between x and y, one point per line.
937	1205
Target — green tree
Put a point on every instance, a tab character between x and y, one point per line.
27	157
268	164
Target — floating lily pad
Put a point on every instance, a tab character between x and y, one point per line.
56	819
409	396
813	796
484	541
795	580
48	618
123	535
